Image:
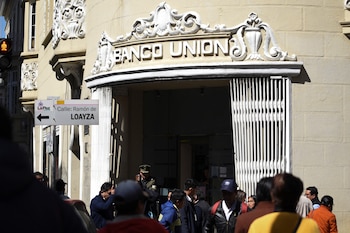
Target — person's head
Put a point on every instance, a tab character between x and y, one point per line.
106	190
130	198
190	187
286	191
251	201
178	198
328	202
263	189
241	195
60	186
39	176
311	192
145	170
229	191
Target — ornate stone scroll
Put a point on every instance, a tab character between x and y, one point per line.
29	74
68	21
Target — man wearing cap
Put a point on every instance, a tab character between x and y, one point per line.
223	213
130	202
148	184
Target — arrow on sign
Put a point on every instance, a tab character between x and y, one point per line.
42	117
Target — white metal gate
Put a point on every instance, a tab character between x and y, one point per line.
261	128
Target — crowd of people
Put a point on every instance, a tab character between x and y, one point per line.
278	205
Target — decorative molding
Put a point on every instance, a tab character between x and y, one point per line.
68	20
347	4
247	37
29	75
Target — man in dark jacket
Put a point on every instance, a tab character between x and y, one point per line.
223	214
26	204
189	220
102	208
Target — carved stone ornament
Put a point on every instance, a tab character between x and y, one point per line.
68	19
29	75
347	4
246	37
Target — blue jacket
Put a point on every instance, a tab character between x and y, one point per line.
170	217
102	210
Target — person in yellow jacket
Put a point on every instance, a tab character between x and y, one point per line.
285	193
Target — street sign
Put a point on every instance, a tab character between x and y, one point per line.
66	112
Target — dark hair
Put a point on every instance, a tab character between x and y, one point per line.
177	195
263	189
241	195
327	200
190	183
313	190
105	187
286	191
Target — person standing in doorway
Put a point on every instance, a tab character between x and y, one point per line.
149	185
223	213
188	214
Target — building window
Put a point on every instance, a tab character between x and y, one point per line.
32	22
261	129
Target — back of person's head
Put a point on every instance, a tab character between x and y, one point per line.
241	195
128	196
60	186
6	125
263	189
313	190
190	183
105	187
177	195
286	191
327	201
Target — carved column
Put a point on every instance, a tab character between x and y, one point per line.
100	140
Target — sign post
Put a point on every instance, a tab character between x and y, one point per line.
66	112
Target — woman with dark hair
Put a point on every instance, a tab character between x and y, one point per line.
251	202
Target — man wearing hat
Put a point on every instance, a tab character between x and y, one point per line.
130	202
148	184
224	212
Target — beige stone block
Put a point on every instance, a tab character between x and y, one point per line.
347	178
298	126
334	3
305	43
327	70
336	45
347	131
337	154
304	2
343	218
333	178
322	19
262	2
308	154
321	126
323	98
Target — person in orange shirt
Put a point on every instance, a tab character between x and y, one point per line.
324	217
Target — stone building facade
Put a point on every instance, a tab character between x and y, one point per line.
203	89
